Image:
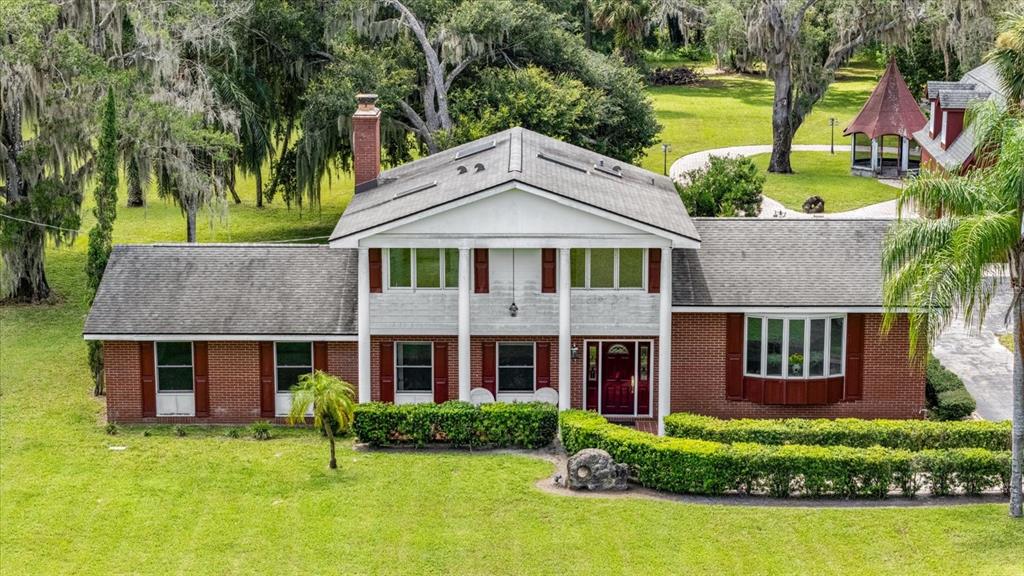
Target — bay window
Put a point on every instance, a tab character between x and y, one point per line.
794	346
607	268
423	268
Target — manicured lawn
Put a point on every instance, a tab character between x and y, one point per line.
735	110
826	175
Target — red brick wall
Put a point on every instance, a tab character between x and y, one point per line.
893	384
234	384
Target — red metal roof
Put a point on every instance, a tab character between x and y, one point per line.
891	109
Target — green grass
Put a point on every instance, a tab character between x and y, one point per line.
735	110
1006	340
209	504
826	175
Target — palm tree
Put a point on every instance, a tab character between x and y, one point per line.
631	20
935	267
332	400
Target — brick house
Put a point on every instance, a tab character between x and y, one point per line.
512	268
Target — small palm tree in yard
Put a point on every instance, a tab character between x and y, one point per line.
332	400
936	266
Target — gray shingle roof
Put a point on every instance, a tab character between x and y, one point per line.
226	289
523	156
774	262
936	86
960	99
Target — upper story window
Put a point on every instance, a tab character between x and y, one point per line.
607	268
174	367
794	346
292	359
423	268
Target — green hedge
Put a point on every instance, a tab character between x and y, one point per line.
913	435
519	425
948	398
704	467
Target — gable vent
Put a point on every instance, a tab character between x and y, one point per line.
415	190
475	150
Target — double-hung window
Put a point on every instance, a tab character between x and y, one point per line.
516	368
423	268
794	346
293	359
607	268
414	367
175	379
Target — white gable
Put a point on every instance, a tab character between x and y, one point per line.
515	213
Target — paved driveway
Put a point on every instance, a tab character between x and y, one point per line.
985	366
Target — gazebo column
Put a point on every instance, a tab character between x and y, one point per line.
876	159
904	154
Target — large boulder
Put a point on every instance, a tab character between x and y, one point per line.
594	469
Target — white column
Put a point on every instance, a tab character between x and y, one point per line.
904	154
665	340
365	394
464	324
564	336
875	161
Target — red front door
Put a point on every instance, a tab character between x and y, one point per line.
618	378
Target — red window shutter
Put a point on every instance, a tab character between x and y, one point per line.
147	373
854	357
481	282
320	356
542	364
654	270
376	274
267	392
487	362
387	371
201	375
734	357
440	372
547	270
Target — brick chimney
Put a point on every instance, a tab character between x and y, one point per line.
366	142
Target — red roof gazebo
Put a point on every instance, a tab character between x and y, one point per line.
891	113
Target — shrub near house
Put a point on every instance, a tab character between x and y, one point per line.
460	424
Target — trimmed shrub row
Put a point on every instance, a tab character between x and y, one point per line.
704	467
913	435
498	425
948	398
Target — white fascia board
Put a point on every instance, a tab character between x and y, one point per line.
788	309
222	337
369	238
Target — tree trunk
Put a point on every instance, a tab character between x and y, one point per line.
232	177
25	263
782	120
329	428
1017	446
190	218
259	187
588	38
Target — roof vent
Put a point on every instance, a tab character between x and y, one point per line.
478	167
462	169
616	171
560	162
475	150
420	188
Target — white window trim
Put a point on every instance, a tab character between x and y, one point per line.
518	394
826	368
157	366
945	122
418	396
615	271
651	372
288	393
412	270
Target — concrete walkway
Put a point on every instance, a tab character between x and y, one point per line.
772	208
977	357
